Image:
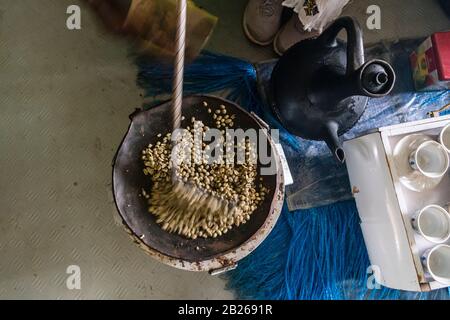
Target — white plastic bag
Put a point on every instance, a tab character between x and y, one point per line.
316	14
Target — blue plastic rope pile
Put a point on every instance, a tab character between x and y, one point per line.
319	252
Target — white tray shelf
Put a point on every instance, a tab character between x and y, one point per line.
385	204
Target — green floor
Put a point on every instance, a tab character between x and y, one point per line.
65	97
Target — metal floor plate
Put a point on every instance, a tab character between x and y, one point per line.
65	97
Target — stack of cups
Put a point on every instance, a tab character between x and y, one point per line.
433	222
444	138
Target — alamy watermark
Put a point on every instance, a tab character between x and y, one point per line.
73	21
374	20
73	281
374	277
230	147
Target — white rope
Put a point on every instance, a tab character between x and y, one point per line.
180	44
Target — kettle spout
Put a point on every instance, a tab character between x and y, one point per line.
332	140
376	78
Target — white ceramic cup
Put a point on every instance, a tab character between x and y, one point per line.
430	159
432	223
444	138
436	262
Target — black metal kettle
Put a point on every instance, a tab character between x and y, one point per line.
320	89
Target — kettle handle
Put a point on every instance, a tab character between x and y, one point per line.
355	45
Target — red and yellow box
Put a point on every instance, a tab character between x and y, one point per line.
431	63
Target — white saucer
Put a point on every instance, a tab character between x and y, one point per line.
412	179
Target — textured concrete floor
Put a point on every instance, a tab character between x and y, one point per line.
65	97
